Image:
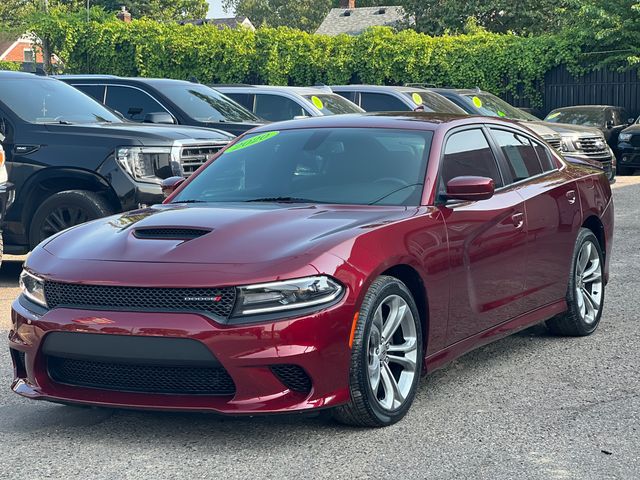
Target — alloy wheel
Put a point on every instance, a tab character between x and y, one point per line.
392	352
61	218
588	282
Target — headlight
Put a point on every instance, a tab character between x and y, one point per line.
32	288
624	137
286	295
146	164
567	144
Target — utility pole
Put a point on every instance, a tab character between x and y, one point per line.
46	45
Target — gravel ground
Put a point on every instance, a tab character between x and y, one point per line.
530	406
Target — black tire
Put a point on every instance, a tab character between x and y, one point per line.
571	323
363	409
625	171
66	209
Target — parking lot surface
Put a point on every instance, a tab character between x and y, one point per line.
530	406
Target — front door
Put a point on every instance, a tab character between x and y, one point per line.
487	241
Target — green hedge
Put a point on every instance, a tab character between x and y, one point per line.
496	62
15	66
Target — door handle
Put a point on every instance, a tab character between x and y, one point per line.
571	196
518	219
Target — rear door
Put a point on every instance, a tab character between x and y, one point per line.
553	214
487	240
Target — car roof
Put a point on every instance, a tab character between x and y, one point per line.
399	120
148	81
460	91
22	75
377	88
582	107
274	88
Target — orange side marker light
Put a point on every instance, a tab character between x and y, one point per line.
353	329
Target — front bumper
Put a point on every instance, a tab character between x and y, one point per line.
629	156
317	344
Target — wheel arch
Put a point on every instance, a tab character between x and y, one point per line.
415	283
50	181
594	224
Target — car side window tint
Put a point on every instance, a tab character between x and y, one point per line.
244	99
276	108
381	102
468	153
521	157
94	91
351	96
134	104
544	155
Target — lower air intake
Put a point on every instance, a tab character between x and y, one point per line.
293	377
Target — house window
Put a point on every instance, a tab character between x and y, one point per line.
28	55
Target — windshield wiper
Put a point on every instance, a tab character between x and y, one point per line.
394	191
282	200
190	201
58	122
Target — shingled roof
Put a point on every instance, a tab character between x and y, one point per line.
354	21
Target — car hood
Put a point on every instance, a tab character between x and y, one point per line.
567	129
541	128
145	134
239	233
635	128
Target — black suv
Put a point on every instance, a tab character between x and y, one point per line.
159	100
72	160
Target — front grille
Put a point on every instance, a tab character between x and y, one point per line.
593	147
293	377
193	156
218	301
181	380
555	143
170	233
635	140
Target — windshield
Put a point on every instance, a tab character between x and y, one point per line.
332	104
433	102
44	100
492	106
357	166
204	104
583	116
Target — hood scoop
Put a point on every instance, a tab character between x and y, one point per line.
170	233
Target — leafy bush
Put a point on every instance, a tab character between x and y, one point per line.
15	66
282	56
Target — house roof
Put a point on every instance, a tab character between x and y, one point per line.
354	21
4	46
232	22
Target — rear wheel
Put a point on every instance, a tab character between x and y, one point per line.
386	357
66	209
585	293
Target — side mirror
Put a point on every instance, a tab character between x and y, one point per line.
631	121
170	184
609	124
470	188
159	117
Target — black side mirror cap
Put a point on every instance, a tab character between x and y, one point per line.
159	117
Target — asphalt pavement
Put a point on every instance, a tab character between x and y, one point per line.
531	406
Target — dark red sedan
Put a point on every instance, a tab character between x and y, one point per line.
319	263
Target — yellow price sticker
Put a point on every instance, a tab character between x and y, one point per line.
417	98
477	102
317	102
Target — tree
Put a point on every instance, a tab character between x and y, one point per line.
161	10
436	17
303	14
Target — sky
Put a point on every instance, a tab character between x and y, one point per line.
215	10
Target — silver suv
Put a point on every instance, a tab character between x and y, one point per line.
276	104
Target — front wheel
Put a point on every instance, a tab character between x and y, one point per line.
66	209
585	293
386	357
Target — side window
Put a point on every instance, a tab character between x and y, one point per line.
351	96
95	91
614	116
521	157
276	108
244	99
134	104
544	155
381	102
468	153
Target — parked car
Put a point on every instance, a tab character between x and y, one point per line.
6	193
318	264
629	149
608	119
287	103
383	98
585	143
72	160
165	101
